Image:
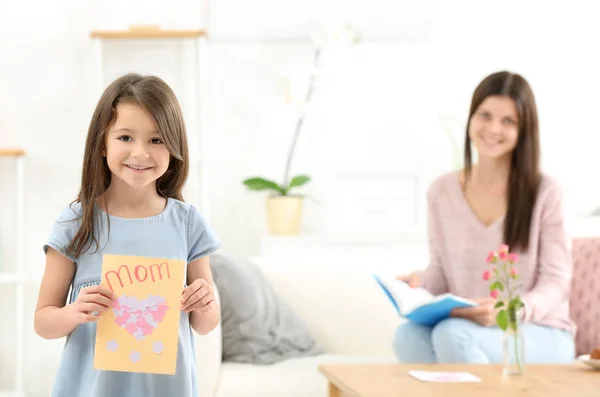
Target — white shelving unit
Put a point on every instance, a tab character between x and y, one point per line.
18	275
194	45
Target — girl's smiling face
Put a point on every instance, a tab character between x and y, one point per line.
135	152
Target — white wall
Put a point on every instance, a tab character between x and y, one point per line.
377	112
551	44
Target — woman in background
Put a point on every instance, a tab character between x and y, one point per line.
502	199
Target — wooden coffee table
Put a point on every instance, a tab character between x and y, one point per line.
393	380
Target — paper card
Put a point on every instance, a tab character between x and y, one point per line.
140	332
430	376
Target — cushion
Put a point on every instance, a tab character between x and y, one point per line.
585	294
258	327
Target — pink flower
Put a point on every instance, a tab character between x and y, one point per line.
487	275
491	257
513	272
513	258
503	248
503	255
494	293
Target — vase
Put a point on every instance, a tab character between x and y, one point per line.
513	350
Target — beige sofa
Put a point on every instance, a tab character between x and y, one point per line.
343	308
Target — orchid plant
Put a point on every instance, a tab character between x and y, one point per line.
503	278
328	40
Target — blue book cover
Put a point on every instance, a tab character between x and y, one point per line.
417	304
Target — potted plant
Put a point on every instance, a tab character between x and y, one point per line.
284	205
284	209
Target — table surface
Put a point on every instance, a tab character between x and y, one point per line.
383	380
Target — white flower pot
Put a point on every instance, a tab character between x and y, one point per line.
284	214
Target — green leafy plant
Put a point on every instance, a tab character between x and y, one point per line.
283	189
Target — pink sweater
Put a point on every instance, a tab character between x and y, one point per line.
459	244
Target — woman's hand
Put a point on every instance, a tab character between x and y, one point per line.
198	296
484	314
414	280
90	303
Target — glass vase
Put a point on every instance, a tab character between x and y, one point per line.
513	350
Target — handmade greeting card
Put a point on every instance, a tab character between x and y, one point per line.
140	332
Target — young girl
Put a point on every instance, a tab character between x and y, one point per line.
504	198
130	203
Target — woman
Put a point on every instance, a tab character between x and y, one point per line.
503	198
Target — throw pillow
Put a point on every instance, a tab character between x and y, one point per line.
258	326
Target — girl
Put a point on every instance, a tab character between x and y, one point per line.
130	203
504	198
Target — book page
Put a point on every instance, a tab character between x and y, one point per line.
414	297
406	298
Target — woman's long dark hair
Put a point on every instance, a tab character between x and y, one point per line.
154	96
524	177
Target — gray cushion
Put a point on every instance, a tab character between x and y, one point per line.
258	326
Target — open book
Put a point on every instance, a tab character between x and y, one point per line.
417	304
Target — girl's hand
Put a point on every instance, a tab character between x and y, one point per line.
198	296
91	302
484	314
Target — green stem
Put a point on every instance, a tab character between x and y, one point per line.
519	363
513	321
517	355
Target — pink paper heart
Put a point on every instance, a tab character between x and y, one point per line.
139	318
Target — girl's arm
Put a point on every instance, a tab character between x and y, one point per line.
199	299
52	318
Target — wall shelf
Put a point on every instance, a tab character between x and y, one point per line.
12	152
149	32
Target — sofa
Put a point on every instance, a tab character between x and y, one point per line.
346	312
585	293
354	322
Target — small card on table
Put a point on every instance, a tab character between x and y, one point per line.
432	376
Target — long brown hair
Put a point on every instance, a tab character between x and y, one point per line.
524	177
154	96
